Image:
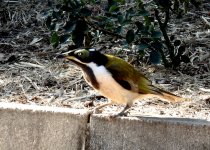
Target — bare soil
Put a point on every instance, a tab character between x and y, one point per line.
30	73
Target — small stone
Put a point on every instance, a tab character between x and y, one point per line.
207	101
88	104
191	106
162	112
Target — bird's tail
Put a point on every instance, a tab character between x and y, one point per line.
164	95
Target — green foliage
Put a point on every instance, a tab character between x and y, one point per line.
130	36
82	22
54	39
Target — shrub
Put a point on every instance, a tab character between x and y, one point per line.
144	24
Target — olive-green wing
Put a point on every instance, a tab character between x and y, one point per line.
127	76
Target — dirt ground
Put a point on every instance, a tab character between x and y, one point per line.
30	73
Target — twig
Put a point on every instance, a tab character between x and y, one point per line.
9	44
82	98
33	83
165	35
36	61
205	90
24	93
205	21
89	22
31	65
75	82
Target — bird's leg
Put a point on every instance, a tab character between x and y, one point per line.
122	112
96	109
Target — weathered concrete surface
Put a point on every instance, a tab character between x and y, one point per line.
27	127
138	133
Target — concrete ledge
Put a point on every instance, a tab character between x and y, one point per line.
27	127
137	133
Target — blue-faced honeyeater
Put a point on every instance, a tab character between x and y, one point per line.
115	79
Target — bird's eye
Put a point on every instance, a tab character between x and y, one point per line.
82	54
79	54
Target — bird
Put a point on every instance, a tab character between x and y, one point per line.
115	79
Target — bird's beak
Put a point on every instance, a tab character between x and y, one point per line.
67	55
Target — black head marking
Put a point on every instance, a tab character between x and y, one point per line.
89	55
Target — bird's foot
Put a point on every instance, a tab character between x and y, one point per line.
119	114
90	112
97	111
94	111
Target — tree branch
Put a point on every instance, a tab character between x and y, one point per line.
164	32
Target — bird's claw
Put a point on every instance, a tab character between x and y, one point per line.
97	111
90	112
94	111
119	114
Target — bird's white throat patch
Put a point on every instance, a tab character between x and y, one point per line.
92	49
98	70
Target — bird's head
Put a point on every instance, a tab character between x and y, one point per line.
85	56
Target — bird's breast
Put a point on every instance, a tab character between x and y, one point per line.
109	88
